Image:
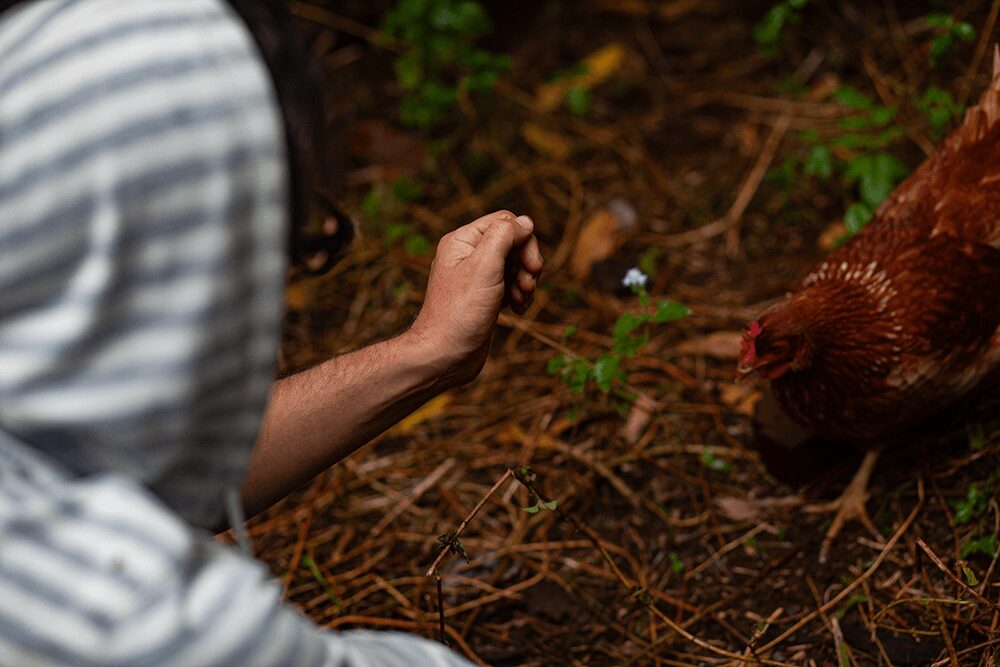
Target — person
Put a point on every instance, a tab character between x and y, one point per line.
148	173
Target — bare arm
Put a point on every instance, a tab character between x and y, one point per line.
319	416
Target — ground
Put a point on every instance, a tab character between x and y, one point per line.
671	542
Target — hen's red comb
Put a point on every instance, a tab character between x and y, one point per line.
748	349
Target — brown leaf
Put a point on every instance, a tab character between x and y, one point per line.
597	68
374	142
638	419
595	242
546	141
724	345
741	398
830	235
738	509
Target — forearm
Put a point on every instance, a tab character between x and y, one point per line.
319	416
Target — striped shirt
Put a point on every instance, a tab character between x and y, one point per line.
143	205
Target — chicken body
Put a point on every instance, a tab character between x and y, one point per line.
903	320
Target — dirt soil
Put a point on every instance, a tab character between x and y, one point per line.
672	543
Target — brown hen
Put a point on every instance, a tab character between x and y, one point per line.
903	320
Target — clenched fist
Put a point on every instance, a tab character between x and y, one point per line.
478	268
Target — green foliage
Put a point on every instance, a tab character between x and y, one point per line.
770	32
977	498
939	107
982	546
631	332
948	31
713	462
857	156
385	206
578	101
441	61
313	568
676	564
539	506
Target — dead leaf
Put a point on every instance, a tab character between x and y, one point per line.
300	294
740	398
433	408
724	345
738	509
829	237
638	419
374	142
597	68
595	242
548	142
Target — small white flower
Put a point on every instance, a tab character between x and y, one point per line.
635	278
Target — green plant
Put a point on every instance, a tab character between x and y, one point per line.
440	62
770	32
676	564
630	334
713	462
985	545
939	107
977	498
858	156
948	31
385	206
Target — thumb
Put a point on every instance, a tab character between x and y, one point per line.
502	236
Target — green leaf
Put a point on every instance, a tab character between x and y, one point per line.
578	101
882	116
623	342
607	369
983	546
373	204
767	33
556	364
539	506
939	19
857	216
406	189
676	564
876	174
567	332
576	375
712	462
964	31
394	232
939	48
810	136
819	163
669	311
648	260
973	505
417	244
970	576
851	97
409	71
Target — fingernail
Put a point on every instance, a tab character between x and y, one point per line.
525	222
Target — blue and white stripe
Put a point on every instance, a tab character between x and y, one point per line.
143	199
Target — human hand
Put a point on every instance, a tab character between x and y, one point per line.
478	268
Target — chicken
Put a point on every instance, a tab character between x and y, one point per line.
903	320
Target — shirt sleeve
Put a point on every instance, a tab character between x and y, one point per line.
97	571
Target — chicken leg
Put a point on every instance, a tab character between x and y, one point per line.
850	505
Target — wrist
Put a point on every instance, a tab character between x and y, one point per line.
430	360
